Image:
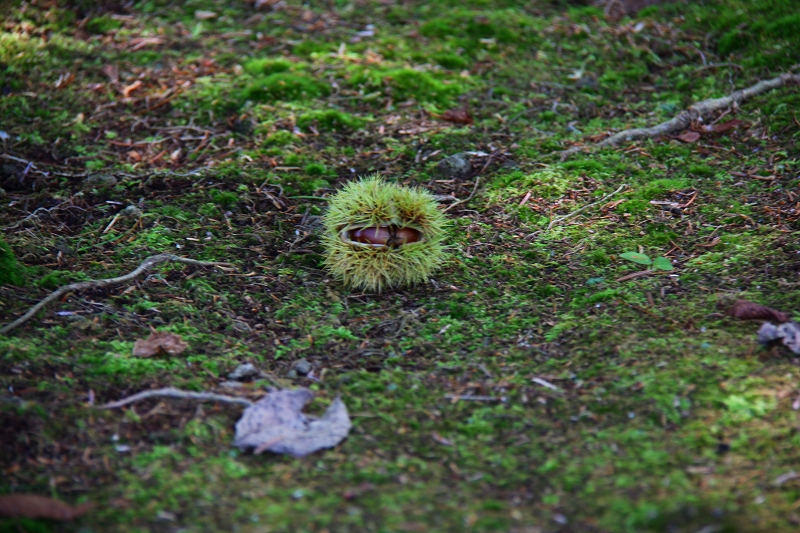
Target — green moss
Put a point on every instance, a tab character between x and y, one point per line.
285	86
634	207
57	278
11	272
404	84
451	61
664	403
330	120
314	169
267	66
503	26
281	138
308	48
103	24
656	189
223	198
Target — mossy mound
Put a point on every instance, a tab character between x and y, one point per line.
266	66
330	120
285	86
405	84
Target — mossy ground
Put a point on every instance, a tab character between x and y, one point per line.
228	133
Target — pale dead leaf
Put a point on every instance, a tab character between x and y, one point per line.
788	333
140	42
111	72
276	423
204	15
159	343
40	507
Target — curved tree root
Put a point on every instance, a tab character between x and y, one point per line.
144	267
686	117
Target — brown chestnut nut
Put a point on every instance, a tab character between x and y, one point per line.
376	236
384	235
406	235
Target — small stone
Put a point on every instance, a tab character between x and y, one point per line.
302	367
243	371
456	166
131	212
588	81
242	127
292	374
100	180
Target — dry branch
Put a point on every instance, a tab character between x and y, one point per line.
172	392
144	267
686	117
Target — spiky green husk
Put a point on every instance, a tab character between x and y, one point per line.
372	201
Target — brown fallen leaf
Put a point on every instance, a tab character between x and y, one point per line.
457	116
128	89
34	506
159	343
688	136
744	310
725	126
276	423
65	80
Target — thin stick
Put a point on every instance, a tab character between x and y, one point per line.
144	267
172	392
686	117
474	189
472	397
637	275
584	208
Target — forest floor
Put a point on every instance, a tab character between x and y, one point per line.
531	386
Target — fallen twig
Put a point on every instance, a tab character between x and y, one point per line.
545	383
475	188
687	116
144	267
474	398
570	215
636	275
172	392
